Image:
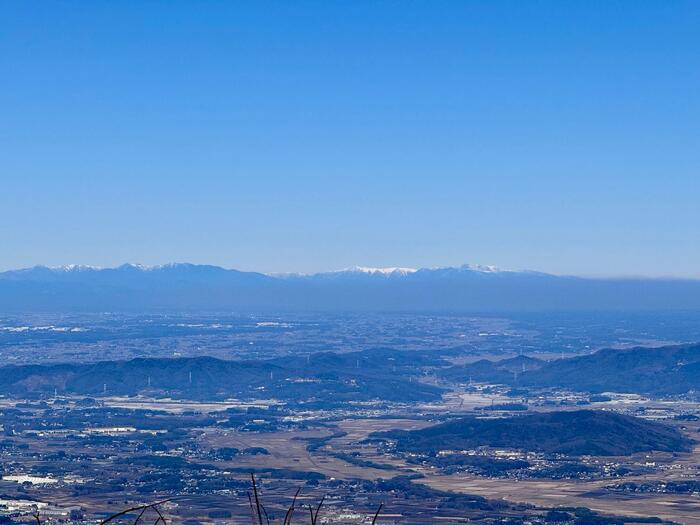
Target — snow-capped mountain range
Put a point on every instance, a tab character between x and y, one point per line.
468	288
130	267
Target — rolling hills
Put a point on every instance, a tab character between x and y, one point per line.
327	377
669	370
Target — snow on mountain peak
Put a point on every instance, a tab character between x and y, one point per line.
381	271
480	268
74	268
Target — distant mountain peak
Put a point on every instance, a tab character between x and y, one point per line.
135	266
123	267
357	269
468	288
382	271
71	268
480	268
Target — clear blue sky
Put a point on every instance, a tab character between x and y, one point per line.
299	136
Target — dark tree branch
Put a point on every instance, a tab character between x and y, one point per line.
132	509
257	499
290	510
138	518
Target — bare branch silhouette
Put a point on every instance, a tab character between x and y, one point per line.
132	509
290	510
257	499
252	509
314	516
160	515
138	518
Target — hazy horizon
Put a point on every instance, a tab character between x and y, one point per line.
354	267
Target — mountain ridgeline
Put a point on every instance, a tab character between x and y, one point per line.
187	287
326	377
669	370
377	373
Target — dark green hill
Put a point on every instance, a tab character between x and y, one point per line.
582	432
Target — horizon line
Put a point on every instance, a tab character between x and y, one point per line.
372	270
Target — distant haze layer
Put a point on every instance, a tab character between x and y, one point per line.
187	287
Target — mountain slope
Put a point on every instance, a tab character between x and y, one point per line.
503	371
657	371
573	433
187	287
357	376
661	371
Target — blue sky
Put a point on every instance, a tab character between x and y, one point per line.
301	136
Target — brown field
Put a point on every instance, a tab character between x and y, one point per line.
288	453
570	493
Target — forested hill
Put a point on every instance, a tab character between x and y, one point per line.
656	371
668	370
579	432
357	376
